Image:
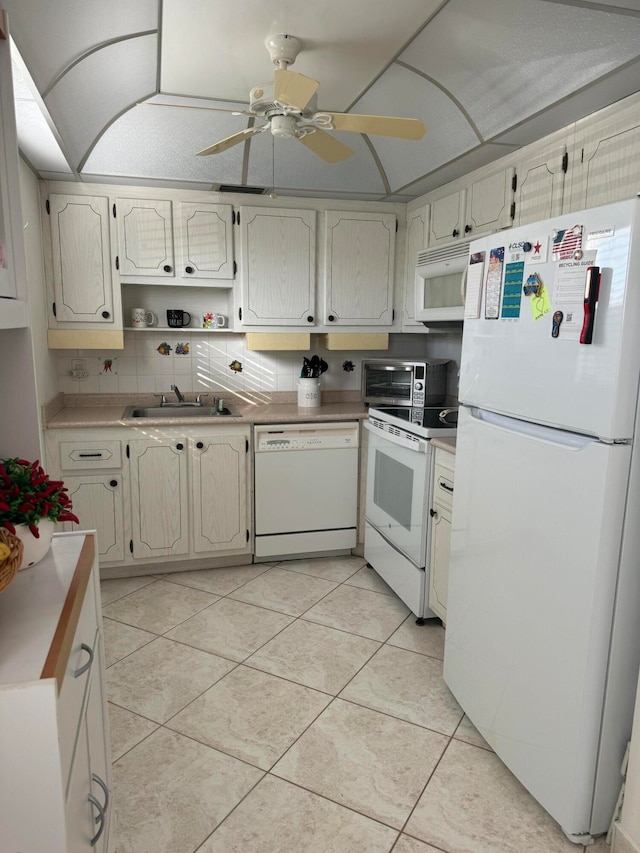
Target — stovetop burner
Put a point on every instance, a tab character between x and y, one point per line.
429	422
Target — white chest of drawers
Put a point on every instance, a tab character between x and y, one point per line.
55	764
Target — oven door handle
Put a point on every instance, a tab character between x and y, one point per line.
419	446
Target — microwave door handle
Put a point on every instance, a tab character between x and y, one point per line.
463	286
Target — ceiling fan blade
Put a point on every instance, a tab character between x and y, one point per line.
230	141
328	147
403	128
294	89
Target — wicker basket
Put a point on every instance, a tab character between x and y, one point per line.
10	565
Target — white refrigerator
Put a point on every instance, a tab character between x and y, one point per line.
542	645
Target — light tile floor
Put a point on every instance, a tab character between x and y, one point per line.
297	708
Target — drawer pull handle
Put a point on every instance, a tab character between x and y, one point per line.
105	791
445	486
100	819
90	455
81	670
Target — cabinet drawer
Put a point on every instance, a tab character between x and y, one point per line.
75	679
80	455
443	485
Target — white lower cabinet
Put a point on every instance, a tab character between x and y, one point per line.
180	493
159	511
220	517
441	508
55	762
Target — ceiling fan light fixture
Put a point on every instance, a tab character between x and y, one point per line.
284	127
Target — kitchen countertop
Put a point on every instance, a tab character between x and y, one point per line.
87	411
448	444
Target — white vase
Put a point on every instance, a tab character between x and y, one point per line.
34	549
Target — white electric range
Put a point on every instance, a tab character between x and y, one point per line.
399	479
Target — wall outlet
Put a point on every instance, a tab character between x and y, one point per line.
78	370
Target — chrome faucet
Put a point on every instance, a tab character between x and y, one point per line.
179	395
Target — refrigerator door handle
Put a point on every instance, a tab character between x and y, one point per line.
591	292
536	431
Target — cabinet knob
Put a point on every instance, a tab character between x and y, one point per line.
455	232
432	513
200	445
179	446
331	318
188	270
309	319
166	268
113	483
467	228
106	315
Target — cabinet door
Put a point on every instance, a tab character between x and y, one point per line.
205	241
98	502
159	497
10	213
81	259
489	203
607	155
359	266
447	218
278	266
145	238
439	565
219	504
417	237
540	184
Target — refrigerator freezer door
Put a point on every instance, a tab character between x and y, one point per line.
516	367
537	526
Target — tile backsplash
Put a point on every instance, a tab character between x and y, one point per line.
152	361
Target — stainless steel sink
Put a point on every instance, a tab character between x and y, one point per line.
170	411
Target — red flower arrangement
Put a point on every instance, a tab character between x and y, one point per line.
27	495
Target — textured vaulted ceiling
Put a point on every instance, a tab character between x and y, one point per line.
98	83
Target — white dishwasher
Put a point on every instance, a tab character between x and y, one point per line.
306	488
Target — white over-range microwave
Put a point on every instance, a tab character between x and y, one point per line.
440	283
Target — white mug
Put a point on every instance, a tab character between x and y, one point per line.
140	318
211	320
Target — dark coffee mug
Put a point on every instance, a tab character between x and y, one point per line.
177	318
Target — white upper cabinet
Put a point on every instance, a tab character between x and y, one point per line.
607	156
82	283
359	268
277	267
145	238
481	206
416	240
447	218
201	255
205	241
540	182
9	214
489	203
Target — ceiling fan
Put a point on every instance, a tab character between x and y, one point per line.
288	106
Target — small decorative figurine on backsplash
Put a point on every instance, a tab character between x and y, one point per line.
165	348
236	366
348	366
182	349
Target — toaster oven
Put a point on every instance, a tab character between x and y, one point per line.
394	382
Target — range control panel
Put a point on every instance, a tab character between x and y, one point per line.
305	437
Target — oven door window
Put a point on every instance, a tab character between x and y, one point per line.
393	488
397	488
